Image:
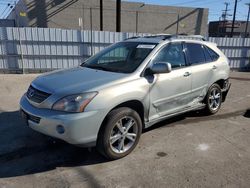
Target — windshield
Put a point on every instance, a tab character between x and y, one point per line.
122	57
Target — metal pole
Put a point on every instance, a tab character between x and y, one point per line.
136	23
225	18
91	31
235	8
247	19
137	18
177	25
82	16
20	41
15	14
101	15
118	15
218	28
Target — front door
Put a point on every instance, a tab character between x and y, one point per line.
170	92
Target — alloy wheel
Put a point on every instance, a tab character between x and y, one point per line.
214	99
123	134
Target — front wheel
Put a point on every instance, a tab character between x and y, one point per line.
120	134
213	99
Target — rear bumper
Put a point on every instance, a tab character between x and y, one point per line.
74	128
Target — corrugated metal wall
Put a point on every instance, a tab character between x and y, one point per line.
44	49
236	49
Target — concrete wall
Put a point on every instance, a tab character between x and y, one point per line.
19	14
151	18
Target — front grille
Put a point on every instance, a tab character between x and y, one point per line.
31	117
36	95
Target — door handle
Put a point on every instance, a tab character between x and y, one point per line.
214	67
187	74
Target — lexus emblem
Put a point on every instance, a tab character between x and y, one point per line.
31	92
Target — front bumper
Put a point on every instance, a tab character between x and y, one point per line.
78	128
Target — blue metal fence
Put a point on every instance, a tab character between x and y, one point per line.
44	49
236	49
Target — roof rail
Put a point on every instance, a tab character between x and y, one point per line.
134	37
195	37
160	36
171	36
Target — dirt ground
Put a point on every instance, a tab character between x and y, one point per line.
190	150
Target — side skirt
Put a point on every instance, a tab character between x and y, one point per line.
167	116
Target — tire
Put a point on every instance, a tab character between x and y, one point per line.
116	131
213	99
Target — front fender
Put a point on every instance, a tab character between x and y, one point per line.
113	96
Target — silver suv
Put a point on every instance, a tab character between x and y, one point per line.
125	88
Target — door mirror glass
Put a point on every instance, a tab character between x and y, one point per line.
160	68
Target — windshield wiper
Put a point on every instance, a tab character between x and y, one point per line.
96	67
109	69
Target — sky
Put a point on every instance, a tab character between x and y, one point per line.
215	6
4	8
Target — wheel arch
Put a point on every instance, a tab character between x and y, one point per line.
134	105
220	83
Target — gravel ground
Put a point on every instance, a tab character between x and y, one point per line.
186	151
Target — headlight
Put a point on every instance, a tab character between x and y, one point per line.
74	103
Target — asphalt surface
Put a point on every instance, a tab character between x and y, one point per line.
190	150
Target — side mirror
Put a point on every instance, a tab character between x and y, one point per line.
159	68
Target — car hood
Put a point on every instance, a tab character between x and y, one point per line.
75	80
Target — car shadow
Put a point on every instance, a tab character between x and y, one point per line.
196	116
24	151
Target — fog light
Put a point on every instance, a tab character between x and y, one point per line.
60	129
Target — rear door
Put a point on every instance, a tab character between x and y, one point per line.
202	69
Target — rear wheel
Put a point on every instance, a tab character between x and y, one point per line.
213	99
121	133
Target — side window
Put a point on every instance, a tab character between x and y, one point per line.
213	54
195	53
173	54
207	55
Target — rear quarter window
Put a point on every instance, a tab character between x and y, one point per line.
214	56
207	55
